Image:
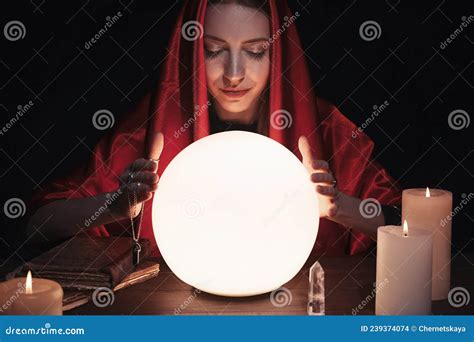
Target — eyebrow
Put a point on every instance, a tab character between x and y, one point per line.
254	40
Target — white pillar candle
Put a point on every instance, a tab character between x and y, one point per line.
403	281
431	209
28	296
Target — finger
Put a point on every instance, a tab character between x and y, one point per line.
143	164
322	177
328	191
305	150
137	188
146	177
320	165
333	211
124	176
142	191
153	187
156	147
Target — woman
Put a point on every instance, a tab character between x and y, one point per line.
233	64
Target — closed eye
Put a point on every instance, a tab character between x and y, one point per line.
212	53
215	53
256	55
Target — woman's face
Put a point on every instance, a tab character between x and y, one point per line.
237	63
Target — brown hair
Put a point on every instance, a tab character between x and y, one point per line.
261	5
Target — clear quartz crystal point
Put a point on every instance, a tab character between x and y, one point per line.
316	290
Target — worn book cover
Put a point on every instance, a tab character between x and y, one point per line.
85	263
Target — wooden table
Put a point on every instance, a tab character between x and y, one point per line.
348	281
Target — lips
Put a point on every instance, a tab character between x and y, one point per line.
235	93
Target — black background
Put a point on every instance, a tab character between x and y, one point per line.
405	66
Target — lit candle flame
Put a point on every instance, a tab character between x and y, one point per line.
29	283
428	192
405	228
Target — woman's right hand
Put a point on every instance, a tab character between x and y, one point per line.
139	178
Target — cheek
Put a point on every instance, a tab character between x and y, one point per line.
259	72
214	71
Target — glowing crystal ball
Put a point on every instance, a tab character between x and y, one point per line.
235	214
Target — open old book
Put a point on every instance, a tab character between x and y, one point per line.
83	263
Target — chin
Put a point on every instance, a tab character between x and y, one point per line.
233	108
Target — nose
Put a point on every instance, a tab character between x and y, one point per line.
234	72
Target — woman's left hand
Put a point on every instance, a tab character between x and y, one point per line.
321	176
